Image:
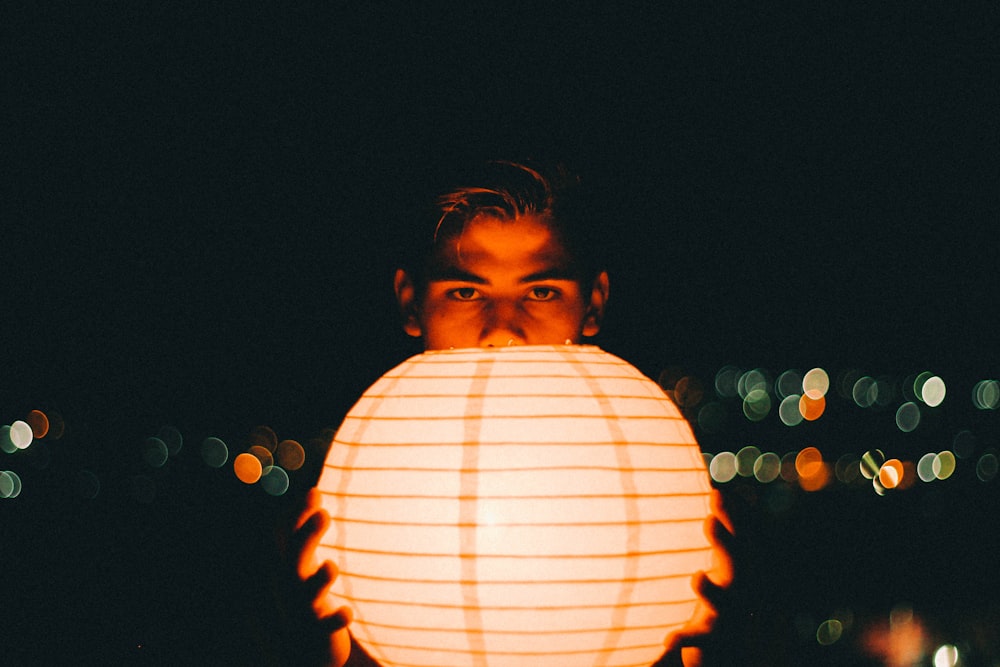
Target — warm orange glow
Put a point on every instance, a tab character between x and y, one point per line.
814	473
808	462
811	408
909	475
818	480
891	474
537	505
901	642
39	423
247	468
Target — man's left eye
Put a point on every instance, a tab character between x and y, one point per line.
543	293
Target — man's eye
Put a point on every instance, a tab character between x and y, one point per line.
543	293
464	293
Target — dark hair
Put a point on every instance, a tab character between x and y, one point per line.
506	191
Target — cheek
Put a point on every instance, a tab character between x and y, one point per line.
446	327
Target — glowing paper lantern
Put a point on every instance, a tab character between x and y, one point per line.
537	505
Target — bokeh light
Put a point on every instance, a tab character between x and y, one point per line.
986	394
788	410
290	455
21	434
756	405
812	408
745	460
946	656
816	383
808	462
274	480
848	468
933	391
247	468
154	452
726	381
753	381
890	475
767	467
6	444
813	472
864	392
908	417
263	454
986	467
925	467
829	631
39	423
871	463
10	484
688	392
788	472
214	452
263	436
788	383
723	467
944	465
172	438
918	384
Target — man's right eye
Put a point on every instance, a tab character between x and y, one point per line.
464	294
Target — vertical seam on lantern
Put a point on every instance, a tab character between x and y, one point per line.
469	509
631	504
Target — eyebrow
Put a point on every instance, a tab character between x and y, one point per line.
553	273
448	273
453	273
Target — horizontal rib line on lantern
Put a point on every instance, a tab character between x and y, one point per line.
499	394
632	444
513	524
480	469
524	654
516	556
520	582
561	496
530	633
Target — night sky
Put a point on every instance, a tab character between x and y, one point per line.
201	203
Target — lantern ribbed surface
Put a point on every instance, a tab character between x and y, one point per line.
536	505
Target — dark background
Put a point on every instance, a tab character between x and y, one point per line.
200	206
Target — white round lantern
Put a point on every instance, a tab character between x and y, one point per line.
537	505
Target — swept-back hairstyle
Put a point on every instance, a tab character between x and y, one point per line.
507	191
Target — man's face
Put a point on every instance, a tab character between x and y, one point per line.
502	283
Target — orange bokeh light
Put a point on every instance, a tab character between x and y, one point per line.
247	468
39	423
812	409
814	473
891	474
808	462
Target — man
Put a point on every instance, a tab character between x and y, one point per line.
511	261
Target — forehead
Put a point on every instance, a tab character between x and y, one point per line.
525	243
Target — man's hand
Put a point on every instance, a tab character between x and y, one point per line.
324	628
683	647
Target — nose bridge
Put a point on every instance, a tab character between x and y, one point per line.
502	324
